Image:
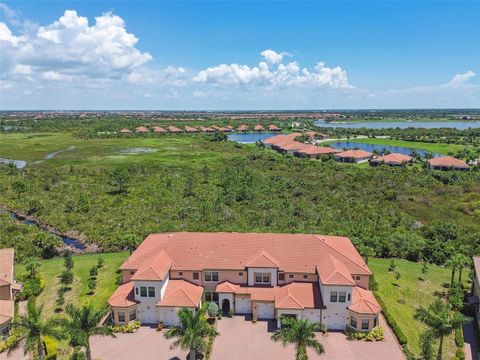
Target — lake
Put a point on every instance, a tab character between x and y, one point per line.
249	138
371	147
461	125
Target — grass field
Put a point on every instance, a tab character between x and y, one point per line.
432	147
402	301
170	150
51	269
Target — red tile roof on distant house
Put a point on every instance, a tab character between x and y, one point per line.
206	129
334	272
155	268
191	129
356	154
141	129
181	293
290	145
226	287
263	260
273	127
258	127
199	251
394	159
159	129
123	296
281	138
318	150
448	162
124	131
242	127
364	302
174	129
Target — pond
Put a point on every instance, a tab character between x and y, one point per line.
461	125
20	164
249	138
378	147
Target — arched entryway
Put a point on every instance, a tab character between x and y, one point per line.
225	307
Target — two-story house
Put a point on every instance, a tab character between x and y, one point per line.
315	277
8	287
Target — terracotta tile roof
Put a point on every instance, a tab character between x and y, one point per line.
226	287
159	129
242	127
6	266
357	154
155	268
200	251
258	293
191	129
123	296
258	127
224	129
6	311
174	129
206	129
273	127
229	127
124	131
291	145
141	129
448	162
396	159
263	260
363	302
298	295
181	293
333	272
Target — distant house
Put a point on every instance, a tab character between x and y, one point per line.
474	300
206	129
319	278
174	129
159	130
8	288
141	130
125	131
242	128
289	147
190	129
258	127
224	129
447	163
230	127
273	127
392	160
353	156
313	151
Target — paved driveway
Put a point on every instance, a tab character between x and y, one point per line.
240	339
146	343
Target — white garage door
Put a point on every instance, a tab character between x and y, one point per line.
243	305
312	315
265	310
170	317
149	315
336	321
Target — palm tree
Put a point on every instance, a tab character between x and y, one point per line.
33	328
81	324
32	265
192	333
301	333
441	321
463	261
457	261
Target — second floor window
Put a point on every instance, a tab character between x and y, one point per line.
143	291
281	277
262	278
195	276
211	275
151	291
333	296
342	295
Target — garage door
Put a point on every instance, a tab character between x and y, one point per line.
336	322
243	305
265	310
170	317
149	315
312	315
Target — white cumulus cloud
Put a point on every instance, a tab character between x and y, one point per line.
274	72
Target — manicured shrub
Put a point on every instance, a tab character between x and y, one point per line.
212	310
459	337
128	328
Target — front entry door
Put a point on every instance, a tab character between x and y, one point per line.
225	307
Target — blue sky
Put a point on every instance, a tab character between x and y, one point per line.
179	55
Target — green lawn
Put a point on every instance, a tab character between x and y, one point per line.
432	147
415	293
51	269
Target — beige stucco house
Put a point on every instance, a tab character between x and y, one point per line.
8	287
315	277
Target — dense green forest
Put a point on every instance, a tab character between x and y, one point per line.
194	184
